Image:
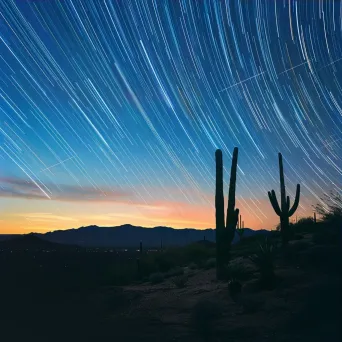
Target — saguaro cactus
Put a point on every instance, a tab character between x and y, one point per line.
240	227
284	211
225	232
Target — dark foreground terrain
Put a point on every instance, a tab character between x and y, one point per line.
71	296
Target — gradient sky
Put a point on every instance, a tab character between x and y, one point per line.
111	110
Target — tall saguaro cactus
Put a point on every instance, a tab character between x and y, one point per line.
284	211
225	231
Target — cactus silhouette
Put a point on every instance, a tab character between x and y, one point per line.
141	247
314	217
284	211
240	227
225	232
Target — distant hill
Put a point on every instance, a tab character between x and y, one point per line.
31	242
130	236
4	237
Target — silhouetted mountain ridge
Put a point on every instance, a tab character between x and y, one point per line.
128	235
32	242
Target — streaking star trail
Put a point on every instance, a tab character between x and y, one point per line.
111	110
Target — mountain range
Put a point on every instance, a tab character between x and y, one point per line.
124	236
130	236
32	242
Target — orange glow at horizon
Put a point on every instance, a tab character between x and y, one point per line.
22	216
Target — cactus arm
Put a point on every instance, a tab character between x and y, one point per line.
219	198
288	203
232	183
282	184
231	212
296	202
236	217
274	202
233	222
225	233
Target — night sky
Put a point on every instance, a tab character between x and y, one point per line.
111	111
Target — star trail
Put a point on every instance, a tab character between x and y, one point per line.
111	111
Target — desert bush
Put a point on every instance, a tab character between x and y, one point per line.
305	225
203	315
300	246
305	221
327	235
210	263
147	265
198	253
331	209
169	259
298	237
323	257
193	266
250	245
264	261
180	281
120	273
176	271
156	278
238	271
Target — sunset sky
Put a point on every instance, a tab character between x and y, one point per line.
111	111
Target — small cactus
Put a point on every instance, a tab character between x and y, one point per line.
240	227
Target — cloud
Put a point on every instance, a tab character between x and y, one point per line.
47	217
12	187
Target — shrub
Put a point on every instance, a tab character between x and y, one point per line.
120	273
156	278
300	246
298	237
305	224
250	245
323	257
210	263
327	236
264	261
180	281
146	266
331	210
198	253
176	271
238	271
168	259
193	266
